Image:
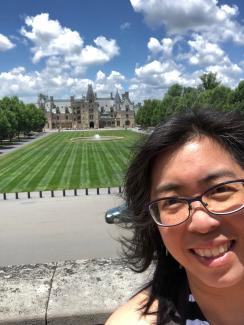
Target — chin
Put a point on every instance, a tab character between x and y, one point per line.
220	278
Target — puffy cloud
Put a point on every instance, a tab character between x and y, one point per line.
51	39
229	74
104	52
159	74
204	52
154	45
198	16
5	43
105	84
164	47
18	82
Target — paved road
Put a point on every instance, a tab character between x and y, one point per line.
54	229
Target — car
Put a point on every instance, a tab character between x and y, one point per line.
116	214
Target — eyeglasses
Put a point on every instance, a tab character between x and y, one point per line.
222	199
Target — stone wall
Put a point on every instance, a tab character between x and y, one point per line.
81	292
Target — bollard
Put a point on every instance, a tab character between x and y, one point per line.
16	195
40	194
98	191
64	193
4	196
119	189
75	192
28	195
86	191
52	193
109	190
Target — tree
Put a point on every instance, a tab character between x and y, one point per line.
4	126
175	90
209	80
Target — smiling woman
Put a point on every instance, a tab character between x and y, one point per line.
185	196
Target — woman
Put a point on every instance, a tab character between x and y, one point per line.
185	191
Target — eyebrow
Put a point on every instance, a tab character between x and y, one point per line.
210	177
216	175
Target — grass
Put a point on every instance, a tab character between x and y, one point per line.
56	162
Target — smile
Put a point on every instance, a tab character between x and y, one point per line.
216	251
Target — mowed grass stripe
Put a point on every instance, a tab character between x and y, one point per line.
85	168
20	157
74	181
19	175
100	165
54	181
16	180
55	162
111	165
93	166
66	175
41	169
49	168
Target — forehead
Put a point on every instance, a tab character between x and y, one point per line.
192	162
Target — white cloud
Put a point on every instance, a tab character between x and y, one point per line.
204	52
205	16
163	47
167	44
104	52
51	39
154	45
159	74
106	84
125	25
5	43
18	82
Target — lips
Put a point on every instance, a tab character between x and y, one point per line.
214	251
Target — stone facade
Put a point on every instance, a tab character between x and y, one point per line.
88	112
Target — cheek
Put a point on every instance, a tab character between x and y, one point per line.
173	239
169	236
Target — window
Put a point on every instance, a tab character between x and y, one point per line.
91	117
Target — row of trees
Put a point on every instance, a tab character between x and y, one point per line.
18	118
209	94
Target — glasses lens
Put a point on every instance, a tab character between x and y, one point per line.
225	198
169	211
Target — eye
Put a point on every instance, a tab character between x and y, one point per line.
170	203
221	189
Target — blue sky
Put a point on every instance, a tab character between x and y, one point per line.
58	47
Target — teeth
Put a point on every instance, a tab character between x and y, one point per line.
212	252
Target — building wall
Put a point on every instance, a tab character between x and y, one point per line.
84	114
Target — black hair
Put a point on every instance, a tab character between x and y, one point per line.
145	246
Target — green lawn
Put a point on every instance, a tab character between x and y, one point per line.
56	162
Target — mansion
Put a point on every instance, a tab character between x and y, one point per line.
88	112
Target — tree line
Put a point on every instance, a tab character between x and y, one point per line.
18	118
209	94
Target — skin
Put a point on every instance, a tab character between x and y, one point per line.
215	282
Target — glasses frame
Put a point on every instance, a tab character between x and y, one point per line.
190	200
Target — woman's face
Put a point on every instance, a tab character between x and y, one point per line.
189	171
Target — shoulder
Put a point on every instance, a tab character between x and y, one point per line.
130	313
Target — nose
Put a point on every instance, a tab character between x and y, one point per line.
201	220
